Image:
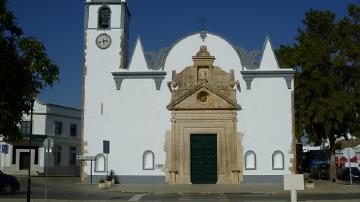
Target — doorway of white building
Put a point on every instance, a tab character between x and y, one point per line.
24	161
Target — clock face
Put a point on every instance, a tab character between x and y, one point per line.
103	41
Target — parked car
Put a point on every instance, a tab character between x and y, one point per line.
8	183
355	173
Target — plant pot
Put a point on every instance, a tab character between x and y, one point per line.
112	181
101	185
108	183
310	186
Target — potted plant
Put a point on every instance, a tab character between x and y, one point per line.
108	181
309	184
101	184
114	179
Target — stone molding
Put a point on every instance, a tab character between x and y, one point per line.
203	77
157	76
216	100
156	60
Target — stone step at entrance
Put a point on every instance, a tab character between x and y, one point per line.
203	197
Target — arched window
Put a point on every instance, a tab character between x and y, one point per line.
99	163
148	160
250	160
278	160
104	17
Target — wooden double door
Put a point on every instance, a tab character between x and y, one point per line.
203	158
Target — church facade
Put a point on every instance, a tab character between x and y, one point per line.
199	111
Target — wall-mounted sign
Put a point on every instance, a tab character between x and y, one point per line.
159	166
5	149
85	158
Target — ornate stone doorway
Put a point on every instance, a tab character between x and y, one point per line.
203	101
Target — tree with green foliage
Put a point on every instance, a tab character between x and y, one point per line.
25	70
327	90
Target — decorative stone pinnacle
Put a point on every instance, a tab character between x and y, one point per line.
203	52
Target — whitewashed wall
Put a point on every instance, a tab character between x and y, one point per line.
135	118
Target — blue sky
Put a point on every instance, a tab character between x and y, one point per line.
159	23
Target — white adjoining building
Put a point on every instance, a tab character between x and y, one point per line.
202	110
60	123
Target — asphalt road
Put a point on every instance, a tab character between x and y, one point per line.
70	190
111	196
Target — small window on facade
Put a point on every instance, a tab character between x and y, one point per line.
73	128
250	160
58	126
104	17
72	155
25	127
13	160
36	160
57	155
148	160
278	160
100	163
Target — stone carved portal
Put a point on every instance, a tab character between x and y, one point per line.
203	101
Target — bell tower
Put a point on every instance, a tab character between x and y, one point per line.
106	33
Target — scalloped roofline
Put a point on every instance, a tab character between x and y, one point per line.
167	49
199	32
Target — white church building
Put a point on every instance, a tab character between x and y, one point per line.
200	111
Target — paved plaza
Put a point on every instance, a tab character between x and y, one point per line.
69	189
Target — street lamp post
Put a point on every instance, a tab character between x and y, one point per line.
31	131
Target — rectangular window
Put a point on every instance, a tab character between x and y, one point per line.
72	155
58	127
57	155
25	127
73	128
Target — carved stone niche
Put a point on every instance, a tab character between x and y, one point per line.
203	101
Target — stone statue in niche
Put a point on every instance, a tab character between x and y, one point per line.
104	17
203	74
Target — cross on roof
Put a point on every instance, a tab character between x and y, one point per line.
203	21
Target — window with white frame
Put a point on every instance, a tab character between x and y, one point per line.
148	160
278	160
25	127
100	163
250	160
58	128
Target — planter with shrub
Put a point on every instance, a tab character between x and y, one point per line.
101	184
